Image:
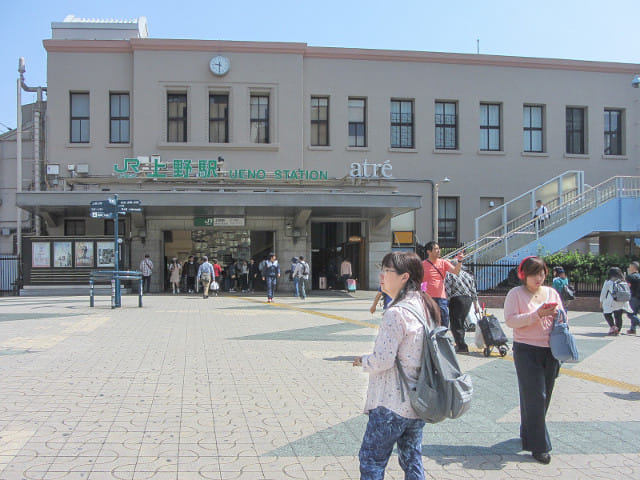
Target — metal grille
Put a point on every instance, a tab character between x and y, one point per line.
9	274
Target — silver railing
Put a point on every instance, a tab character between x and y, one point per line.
497	244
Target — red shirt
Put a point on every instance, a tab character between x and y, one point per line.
434	277
217	269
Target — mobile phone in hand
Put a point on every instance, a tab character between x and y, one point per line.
549	305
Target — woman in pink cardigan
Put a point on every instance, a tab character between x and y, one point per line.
530	310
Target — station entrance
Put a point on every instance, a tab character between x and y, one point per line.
226	245
331	243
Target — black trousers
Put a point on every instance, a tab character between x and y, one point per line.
537	371
146	283
458	309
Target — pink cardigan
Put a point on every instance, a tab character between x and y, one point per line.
520	314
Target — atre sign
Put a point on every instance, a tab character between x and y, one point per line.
371	170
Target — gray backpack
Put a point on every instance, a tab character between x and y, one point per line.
621	291
442	391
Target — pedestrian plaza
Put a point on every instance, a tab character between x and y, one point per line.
234	388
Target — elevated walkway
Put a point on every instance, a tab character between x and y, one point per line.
612	206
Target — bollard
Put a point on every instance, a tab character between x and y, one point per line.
113	294
140	294
91	293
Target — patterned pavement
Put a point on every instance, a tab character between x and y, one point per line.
234	388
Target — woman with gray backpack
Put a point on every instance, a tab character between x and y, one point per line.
392	419
614	299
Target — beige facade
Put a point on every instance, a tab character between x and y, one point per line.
293	76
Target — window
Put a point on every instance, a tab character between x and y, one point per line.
357	122
108	227
176	117
613	132
446	125
575	130
259	119
402	124
319	121
490	126
448	221
79	118
218	118
532	124
119	118
74	227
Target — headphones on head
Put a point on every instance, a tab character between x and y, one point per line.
520	270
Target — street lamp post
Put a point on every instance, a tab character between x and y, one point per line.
436	210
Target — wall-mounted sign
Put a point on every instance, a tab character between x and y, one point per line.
186	168
355	239
371	170
218	221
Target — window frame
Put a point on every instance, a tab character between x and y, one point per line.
608	133
402	124
571	132
75	222
259	121
81	119
444	126
354	143
180	119
445	220
119	118
486	128
530	130
224	120
317	123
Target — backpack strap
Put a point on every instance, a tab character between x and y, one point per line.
402	377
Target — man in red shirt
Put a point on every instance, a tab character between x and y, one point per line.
435	270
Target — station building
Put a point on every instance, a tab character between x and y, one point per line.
236	149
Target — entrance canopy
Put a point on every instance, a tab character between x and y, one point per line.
54	206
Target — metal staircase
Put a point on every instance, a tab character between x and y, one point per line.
612	206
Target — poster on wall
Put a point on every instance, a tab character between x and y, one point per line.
105	254
62	254
84	254
40	254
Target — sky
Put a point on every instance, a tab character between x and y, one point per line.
569	29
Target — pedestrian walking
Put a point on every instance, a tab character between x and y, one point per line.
292	277
633	278
462	295
300	277
175	271
435	269
560	281
541	214
393	421
254	272
191	271
346	272
530	310
243	273
217	271
146	267
612	304
272	273
205	275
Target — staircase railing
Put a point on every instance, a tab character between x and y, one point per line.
497	244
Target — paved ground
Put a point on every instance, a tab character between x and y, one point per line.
233	388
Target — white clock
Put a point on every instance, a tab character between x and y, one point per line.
219	65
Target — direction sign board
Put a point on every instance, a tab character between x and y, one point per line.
101	215
129	209
101	203
129	202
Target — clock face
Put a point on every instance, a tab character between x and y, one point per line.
219	65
